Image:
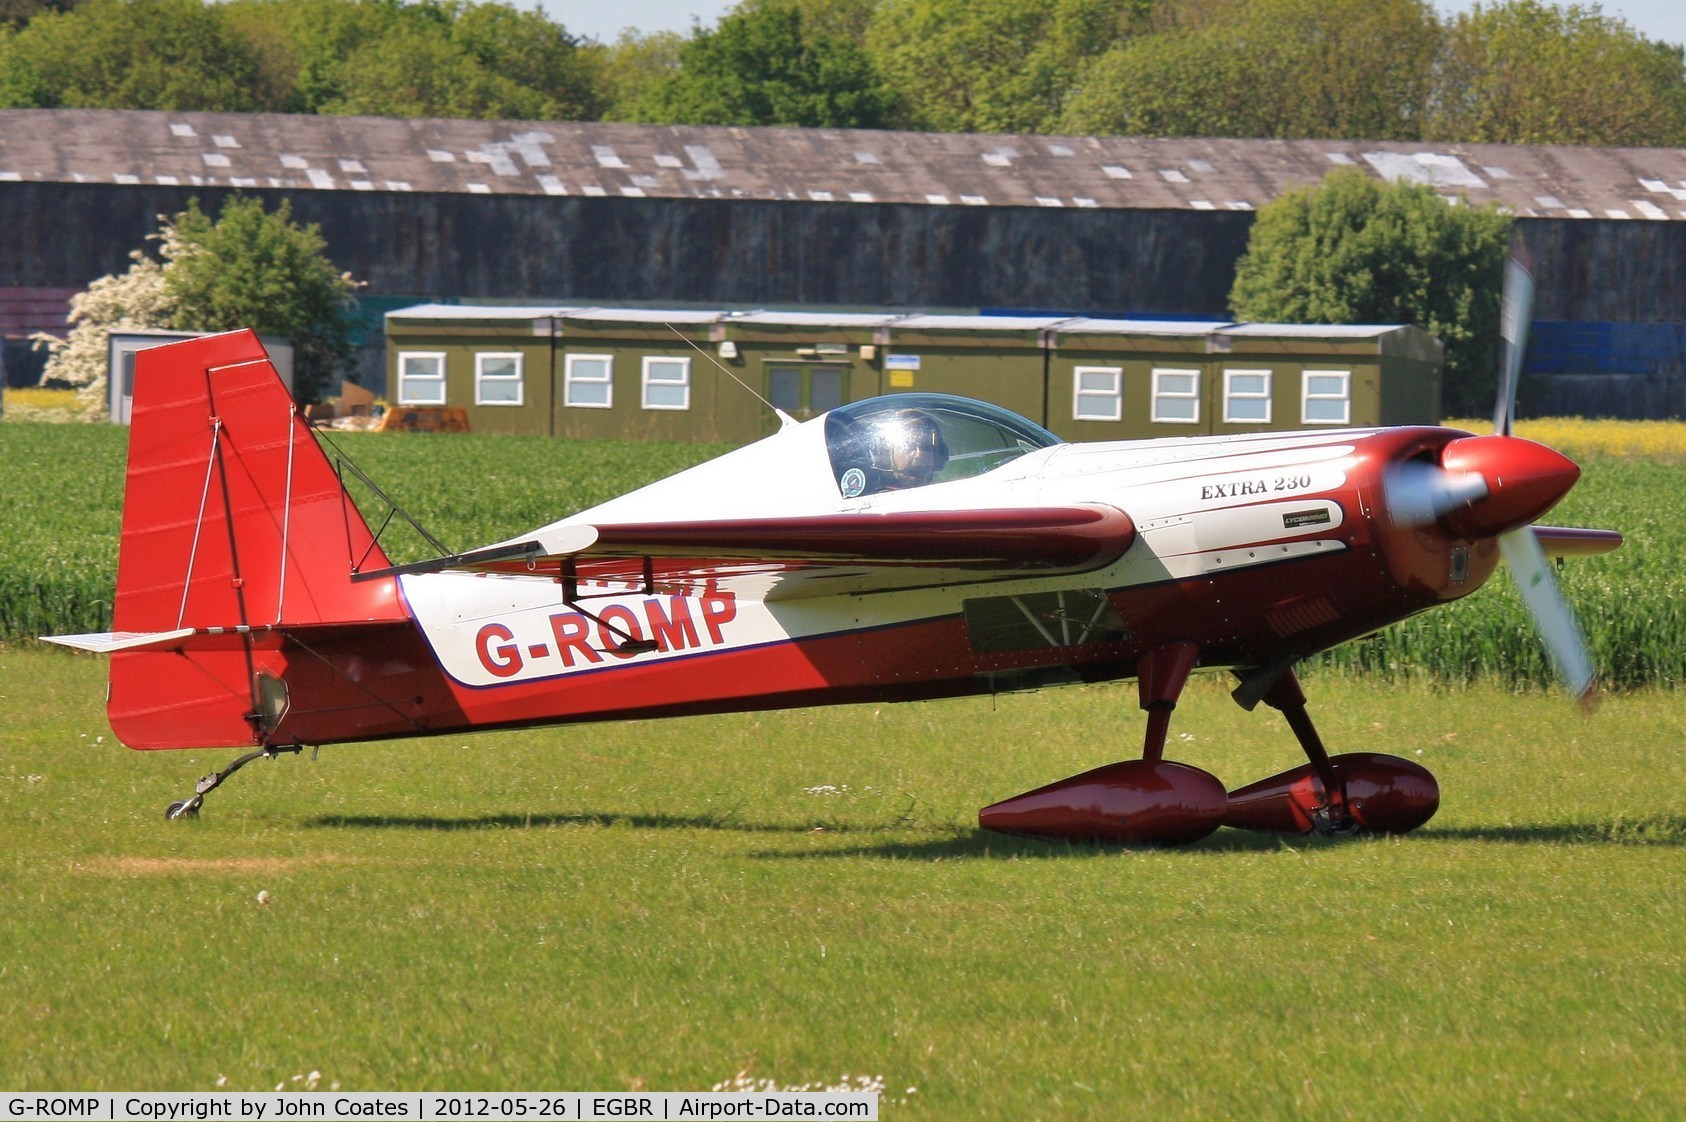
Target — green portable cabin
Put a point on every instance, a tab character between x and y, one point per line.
1000	359
1128	379
637	374
711	375
560	370
1318	374
497	364
806	363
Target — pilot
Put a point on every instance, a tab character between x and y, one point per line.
907	450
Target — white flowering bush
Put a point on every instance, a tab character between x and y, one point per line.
138	299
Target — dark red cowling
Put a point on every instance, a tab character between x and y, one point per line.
1385	794
1136	801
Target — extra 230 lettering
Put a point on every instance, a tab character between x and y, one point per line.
1263	485
673	623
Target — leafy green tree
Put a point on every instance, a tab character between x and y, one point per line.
766	63
993	65
16	13
1266	68
1359	250
633	66
1528	73
304	45
435	58
534	53
129	54
251	268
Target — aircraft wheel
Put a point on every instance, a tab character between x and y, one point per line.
180	810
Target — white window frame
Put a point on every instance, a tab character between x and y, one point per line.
1110	401
1160	395
481	378
570	380
1345	397
683	382
405	378
1231	396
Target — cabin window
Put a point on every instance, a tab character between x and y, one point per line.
905	440
667	383
1247	397
421	378
1328	397
1176	396
1098	393
588	382
498	378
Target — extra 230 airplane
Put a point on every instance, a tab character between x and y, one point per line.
899	548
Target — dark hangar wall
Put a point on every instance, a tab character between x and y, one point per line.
1170	262
1610	315
680	250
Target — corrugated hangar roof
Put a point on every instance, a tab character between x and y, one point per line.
594	159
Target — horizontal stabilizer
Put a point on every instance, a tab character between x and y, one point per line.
106	642
553	541
1565	541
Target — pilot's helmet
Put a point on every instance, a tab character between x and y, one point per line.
908	447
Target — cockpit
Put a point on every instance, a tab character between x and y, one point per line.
907	440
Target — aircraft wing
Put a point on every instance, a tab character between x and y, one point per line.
898	549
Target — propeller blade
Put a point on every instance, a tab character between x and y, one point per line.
1515	307
1552	614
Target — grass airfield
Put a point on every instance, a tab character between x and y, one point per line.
803	898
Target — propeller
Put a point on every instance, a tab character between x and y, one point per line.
1495	486
1520	548
1515	304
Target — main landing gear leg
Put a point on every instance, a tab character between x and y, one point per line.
1160	678
1331	816
189	808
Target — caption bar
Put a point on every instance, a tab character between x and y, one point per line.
428	1106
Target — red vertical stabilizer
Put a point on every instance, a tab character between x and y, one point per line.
236	528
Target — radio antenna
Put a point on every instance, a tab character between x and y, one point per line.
785	419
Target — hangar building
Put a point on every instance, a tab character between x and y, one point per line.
612	214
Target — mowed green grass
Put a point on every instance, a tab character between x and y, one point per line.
803	896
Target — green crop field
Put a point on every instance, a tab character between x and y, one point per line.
803	898
61	509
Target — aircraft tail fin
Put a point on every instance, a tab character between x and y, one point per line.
236	529
231	512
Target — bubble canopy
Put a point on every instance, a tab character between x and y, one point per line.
905	440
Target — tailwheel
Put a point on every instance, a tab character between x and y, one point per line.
189	808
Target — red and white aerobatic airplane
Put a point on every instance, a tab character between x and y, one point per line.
898	548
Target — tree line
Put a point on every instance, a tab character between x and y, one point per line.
1515	71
